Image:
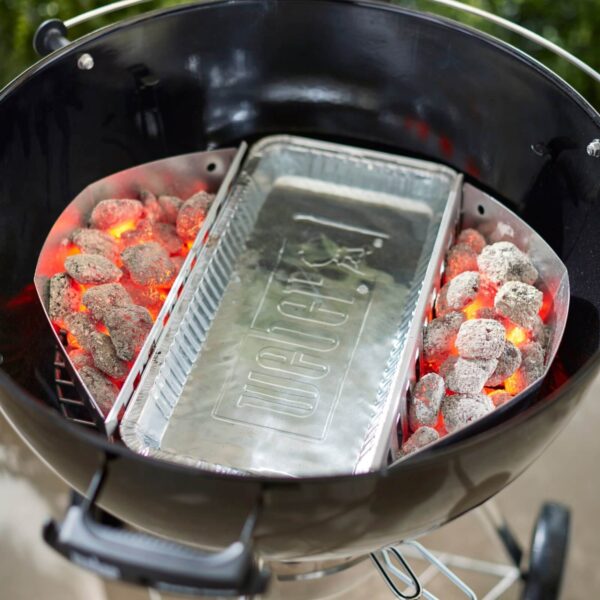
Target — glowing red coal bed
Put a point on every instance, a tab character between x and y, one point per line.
115	277
486	343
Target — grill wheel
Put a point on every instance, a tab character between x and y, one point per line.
549	546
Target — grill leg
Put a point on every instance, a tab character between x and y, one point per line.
492	516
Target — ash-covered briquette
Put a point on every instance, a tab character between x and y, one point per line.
105	356
503	261
480	338
80	358
457	293
128	327
532	368
147	231
439	336
92	268
62	297
419	439
170	206
461	409
99	345
192	214
166	235
499	397
148	296
460	258
152	209
508	362
424	402
519	302
161	209
109	213
487	312
104	297
102	389
149	264
178	262
141	234
533	356
94	241
539	331
467	376
472	238
83	328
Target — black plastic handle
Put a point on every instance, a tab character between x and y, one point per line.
51	35
146	560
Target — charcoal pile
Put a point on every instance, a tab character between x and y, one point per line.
486	342
115	278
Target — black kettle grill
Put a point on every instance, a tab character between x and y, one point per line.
209	75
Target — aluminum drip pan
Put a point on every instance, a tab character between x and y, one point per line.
301	319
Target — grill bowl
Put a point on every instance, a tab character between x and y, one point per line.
362	73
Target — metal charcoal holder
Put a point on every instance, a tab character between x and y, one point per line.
184	322
215	170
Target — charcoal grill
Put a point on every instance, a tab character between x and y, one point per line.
192	78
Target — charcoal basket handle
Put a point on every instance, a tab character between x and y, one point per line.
146	560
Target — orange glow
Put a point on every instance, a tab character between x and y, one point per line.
24	298
153	312
150	296
440	426
80	287
72	340
546	307
118	230
517	335
472	309
485	299
514	384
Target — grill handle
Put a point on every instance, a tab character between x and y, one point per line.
142	559
51	35
455	4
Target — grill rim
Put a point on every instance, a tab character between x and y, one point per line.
576	380
76	46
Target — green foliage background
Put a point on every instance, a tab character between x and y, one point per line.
573	24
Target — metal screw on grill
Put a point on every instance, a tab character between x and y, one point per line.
593	148
85	62
539	149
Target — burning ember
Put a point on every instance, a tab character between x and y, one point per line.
116	275
487	341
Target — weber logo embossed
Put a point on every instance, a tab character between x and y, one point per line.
303	304
294	360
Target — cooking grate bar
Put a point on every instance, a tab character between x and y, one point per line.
71	405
